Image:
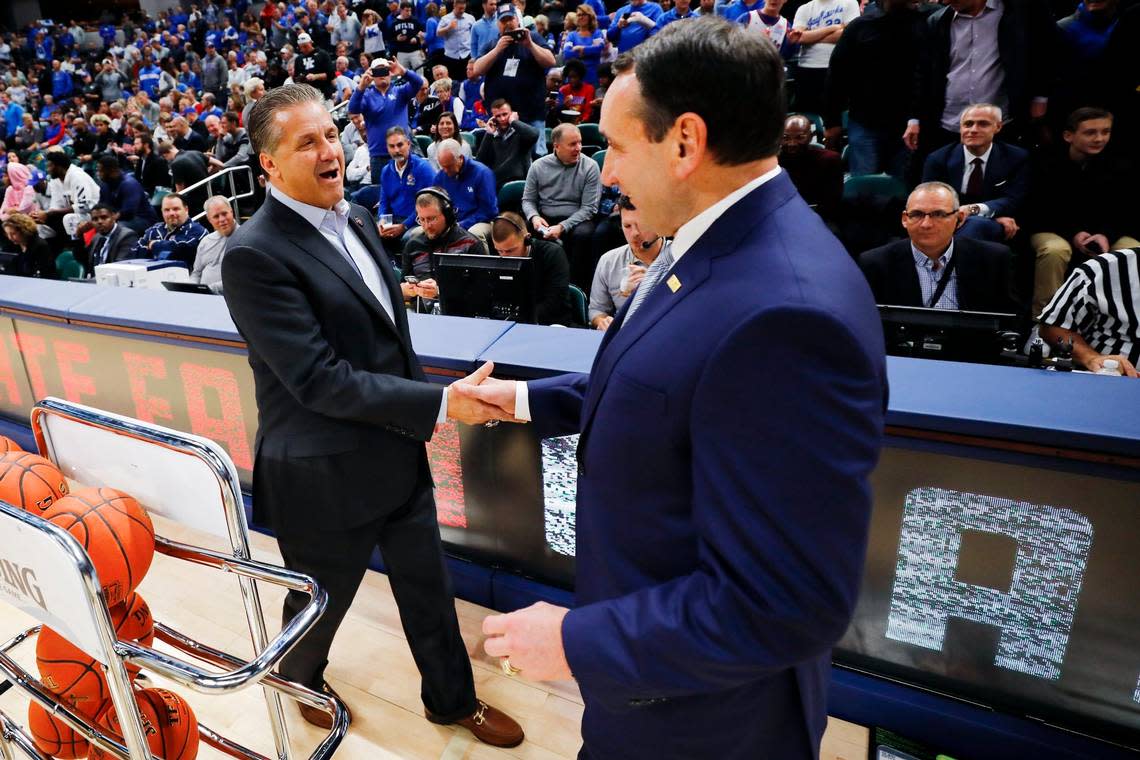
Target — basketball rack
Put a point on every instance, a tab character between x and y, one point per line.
200	490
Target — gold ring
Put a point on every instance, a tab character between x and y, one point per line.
509	669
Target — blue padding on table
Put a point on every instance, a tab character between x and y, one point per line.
1064	409
161	310
48	297
453	342
20	433
532	351
955	728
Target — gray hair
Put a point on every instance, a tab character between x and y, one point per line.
441	84
932	186
560	131
213	200
263	135
995	110
450	145
252	84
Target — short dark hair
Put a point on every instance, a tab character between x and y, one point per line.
499	103
104	207
176	197
1088	113
263	136
59	158
395	131
574	66
232	117
109	162
677	71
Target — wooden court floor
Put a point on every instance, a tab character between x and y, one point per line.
370	667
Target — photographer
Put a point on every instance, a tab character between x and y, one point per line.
515	70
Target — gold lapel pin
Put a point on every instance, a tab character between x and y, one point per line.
359	223
673	283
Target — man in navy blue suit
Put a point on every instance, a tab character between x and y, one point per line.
991	177
728	427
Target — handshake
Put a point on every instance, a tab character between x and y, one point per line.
479	398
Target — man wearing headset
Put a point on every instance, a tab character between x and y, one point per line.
551	268
439	232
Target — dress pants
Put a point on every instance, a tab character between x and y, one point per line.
1054	262
413	555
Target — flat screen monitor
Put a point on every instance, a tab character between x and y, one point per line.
948	334
487	287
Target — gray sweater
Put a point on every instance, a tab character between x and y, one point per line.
554	190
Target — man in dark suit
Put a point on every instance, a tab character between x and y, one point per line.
728	427
911	272
993	51
343	409
112	241
152	170
991	177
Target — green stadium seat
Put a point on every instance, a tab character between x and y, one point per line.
873	185
67	267
578	303
591	135
469	138
600	157
510	196
423	141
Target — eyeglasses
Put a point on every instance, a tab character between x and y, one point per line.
937	216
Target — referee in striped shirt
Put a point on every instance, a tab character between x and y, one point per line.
1111	280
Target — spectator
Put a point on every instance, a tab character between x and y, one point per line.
215	74
507	144
28	137
586	43
441	91
151	170
383	106
1080	201
682	10
254	88
471	93
33	257
400	181
447	128
314	67
434	45
455	30
13	115
871	75
110	82
354	134
1096	310
234	144
636	22
438	232
485	31
551	271
820	24
992	177
816	172
19	196
738	9
576	95
373	34
344	26
78	194
409	34
112	241
561	199
175	237
212	248
126	195
185	138
1083	39
515	70
620	270
767	22
932	269
471	187
984	51
187	169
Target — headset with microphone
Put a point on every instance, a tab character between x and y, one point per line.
647	244
445	204
527	239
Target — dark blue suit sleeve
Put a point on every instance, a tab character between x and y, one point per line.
781	515
556	404
1012	199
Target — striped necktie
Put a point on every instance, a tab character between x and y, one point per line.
657	270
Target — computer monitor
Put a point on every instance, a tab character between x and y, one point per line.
489	287
8	260
963	336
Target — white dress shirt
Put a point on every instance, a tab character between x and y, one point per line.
983	209
687	234
330	222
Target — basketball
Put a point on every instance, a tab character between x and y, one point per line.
70	673
54	737
116	532
29	481
7	444
132	621
169	724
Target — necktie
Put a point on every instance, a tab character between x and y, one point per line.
657	270
102	257
974	185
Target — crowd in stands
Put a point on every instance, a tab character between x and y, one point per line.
971	154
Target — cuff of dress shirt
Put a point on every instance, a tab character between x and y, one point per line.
984	211
442	416
912	122
522	402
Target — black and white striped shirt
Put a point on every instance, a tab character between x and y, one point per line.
1101	301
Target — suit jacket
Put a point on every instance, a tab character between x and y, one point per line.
122	240
985	276
1027	43
1005	183
343	409
727	434
153	172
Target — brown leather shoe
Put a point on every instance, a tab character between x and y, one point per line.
319	717
489	724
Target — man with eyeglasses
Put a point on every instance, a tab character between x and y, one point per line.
934	269
439	232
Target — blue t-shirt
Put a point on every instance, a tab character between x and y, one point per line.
149	79
383	111
633	34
